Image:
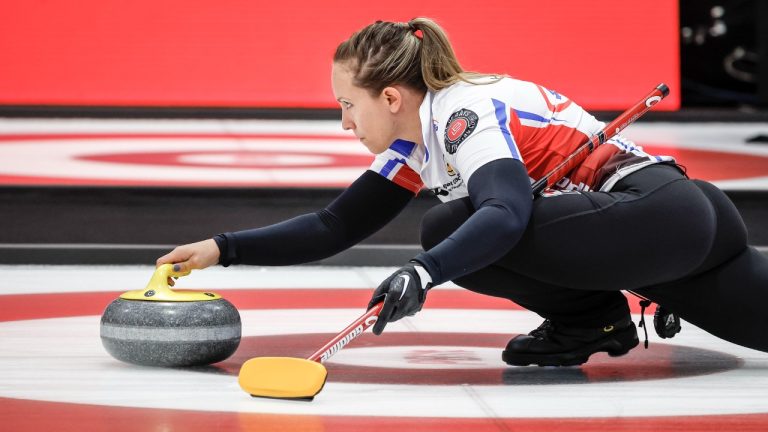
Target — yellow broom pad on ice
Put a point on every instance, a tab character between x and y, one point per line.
295	378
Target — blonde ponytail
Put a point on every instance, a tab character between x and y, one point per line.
417	53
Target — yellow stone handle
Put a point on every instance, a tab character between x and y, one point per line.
158	290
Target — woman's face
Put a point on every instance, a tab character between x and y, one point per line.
370	117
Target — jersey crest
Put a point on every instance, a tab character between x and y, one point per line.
460	125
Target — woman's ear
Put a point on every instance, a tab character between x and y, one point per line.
393	98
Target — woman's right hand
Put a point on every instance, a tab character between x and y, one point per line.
193	256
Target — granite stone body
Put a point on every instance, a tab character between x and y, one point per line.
170	334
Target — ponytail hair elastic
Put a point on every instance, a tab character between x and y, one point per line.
416	32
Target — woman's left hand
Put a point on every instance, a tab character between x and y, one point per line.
403	294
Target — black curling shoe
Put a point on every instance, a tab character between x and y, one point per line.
557	345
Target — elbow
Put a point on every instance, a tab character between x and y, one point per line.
514	223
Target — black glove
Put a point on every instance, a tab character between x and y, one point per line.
403	294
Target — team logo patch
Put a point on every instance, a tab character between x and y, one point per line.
460	125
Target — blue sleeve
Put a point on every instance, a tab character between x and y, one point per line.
368	204
500	192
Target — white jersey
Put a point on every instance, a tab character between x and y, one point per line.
468	125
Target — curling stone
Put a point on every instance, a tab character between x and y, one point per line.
158	326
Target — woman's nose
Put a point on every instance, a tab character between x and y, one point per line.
346	122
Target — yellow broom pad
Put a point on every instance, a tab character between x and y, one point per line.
282	377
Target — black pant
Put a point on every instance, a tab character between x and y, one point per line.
679	242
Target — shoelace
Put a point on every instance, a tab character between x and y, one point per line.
542	331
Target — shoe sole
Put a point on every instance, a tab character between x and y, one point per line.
616	345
